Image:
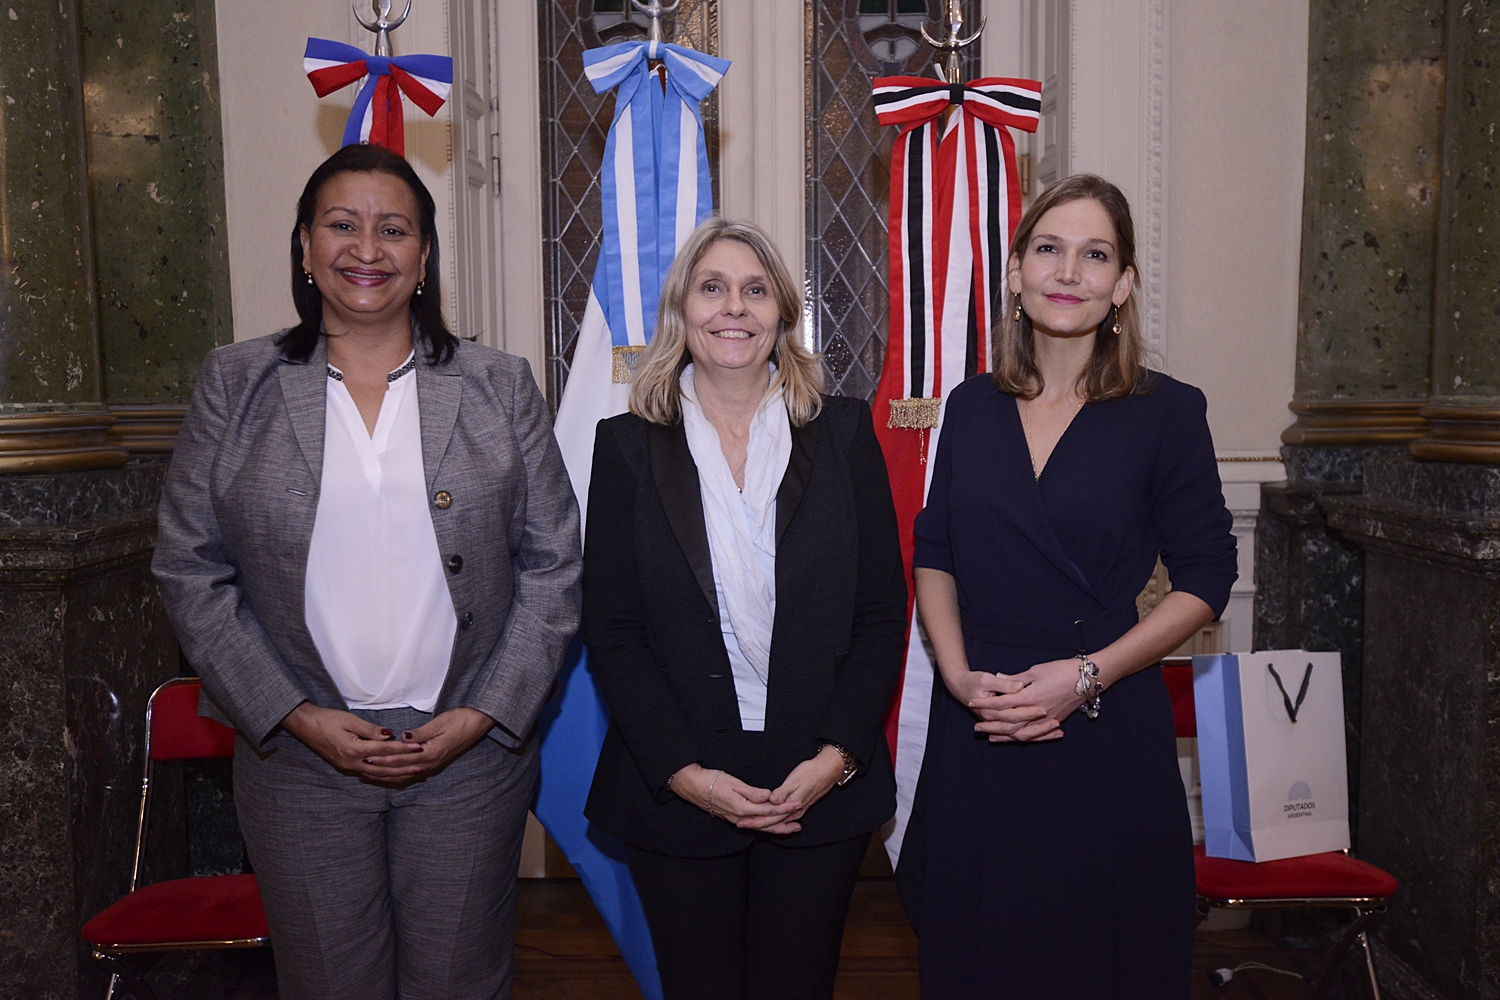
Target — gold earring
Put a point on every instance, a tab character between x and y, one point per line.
1017	314
420	284
308	274
1117	321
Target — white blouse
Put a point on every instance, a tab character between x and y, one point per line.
377	602
741	529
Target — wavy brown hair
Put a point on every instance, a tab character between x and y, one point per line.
1117	367
655	392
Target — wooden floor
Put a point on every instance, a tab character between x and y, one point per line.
563	952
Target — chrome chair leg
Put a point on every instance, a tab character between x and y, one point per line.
1364	940
1367	918
121	969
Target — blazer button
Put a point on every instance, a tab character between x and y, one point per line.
442	499
455	563
465	620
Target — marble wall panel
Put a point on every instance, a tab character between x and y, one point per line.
37	950
1375	89
156	165
1430	774
118	647
78	496
1310	595
1427	816
83	642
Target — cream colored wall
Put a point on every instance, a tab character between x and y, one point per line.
1236	125
276	132
761	135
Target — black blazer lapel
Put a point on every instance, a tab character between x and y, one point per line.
676	477
798	472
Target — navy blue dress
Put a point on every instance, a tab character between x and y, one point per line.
1064	868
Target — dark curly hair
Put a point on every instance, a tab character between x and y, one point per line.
427	309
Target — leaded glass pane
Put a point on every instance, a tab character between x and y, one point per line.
574	123
849	43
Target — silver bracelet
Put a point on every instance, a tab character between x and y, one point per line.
711	784
1088	687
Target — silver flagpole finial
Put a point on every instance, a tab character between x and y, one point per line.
955	41
382	25
655	11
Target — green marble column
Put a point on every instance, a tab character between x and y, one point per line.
1369	212
1464	411
155	154
1375	89
51	413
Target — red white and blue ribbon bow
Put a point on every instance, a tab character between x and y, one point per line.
377	118
955	201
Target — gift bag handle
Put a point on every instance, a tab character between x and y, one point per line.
1291	709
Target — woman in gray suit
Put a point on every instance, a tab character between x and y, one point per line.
369	550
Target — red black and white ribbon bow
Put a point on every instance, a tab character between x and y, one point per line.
377	115
955	201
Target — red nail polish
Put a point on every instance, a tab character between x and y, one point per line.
406	736
387	733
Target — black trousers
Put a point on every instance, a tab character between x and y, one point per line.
763	924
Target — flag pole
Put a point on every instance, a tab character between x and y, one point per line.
382	25
655	11
949	70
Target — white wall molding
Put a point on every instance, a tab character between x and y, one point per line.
1151	208
498	253
762	116
1117	128
1242	476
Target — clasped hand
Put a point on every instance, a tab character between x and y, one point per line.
767	810
355	746
1025	707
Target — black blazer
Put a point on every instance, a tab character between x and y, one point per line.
651	623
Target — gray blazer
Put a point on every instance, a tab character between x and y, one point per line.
236	520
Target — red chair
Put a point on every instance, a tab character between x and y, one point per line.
187	914
1330	880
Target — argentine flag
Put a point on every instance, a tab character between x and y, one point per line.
655	188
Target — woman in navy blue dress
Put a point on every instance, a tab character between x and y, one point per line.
1053	846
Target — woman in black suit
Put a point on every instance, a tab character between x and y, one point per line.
745	611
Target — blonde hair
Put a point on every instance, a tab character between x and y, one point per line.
1117	367
655	392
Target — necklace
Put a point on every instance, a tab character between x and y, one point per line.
1036	473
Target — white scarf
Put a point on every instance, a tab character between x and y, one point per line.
740	523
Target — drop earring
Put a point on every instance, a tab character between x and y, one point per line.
308	274
1116	327
1017	314
419	286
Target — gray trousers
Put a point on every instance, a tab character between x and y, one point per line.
377	893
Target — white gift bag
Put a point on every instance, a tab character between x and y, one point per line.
1271	754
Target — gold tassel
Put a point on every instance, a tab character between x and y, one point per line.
916	413
622	363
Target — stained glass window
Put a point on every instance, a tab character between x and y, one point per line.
849	43
574	122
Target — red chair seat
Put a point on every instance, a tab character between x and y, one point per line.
1314	876
203	909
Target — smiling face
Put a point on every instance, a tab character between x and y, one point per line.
1070	277
730	310
364	248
